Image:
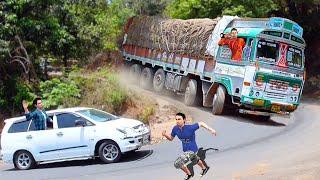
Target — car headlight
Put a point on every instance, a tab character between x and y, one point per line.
122	131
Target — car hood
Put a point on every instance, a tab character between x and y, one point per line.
123	123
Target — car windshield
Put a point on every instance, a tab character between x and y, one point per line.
96	115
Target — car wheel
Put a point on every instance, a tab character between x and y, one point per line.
109	152
23	160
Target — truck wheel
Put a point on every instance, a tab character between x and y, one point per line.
190	95
109	152
135	71
158	80
146	78
23	160
218	101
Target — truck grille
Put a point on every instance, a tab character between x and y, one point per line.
277	96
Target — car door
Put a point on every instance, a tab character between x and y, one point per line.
74	141
43	143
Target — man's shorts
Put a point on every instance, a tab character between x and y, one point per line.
185	159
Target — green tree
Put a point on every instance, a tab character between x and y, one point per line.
186	9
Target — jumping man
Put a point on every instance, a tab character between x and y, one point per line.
186	133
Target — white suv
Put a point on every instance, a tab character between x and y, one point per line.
75	133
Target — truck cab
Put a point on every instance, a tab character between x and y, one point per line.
270	76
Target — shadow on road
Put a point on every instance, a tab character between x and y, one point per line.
231	113
246	118
128	157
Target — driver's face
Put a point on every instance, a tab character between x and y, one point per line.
234	34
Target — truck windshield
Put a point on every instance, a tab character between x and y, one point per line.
268	51
294	57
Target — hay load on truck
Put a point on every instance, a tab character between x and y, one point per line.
260	71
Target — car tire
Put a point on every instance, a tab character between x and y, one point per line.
109	152
218	101
158	80
146	78
23	160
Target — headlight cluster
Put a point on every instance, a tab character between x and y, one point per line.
127	132
256	94
293	98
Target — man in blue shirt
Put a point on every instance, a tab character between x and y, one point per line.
186	133
39	116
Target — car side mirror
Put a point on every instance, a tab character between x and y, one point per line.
80	123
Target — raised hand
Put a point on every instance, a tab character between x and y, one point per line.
25	106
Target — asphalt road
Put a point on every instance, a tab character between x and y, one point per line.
249	148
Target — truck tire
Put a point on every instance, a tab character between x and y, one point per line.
135	72
109	152
146	78
158	80
219	101
23	160
190	94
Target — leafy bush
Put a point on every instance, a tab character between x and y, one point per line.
24	92
146	114
2	97
57	93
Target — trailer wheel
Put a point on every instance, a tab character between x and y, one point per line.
190	95
158	80
219	101
146	78
135	71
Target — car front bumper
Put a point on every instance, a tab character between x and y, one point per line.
134	143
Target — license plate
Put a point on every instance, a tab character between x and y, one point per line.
275	108
258	102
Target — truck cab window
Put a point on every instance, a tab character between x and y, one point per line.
246	52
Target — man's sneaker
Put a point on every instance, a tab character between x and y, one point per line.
204	171
188	177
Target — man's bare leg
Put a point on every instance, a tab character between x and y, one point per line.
200	163
186	170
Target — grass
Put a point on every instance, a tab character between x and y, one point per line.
146	114
101	89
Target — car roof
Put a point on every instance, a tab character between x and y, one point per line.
22	118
